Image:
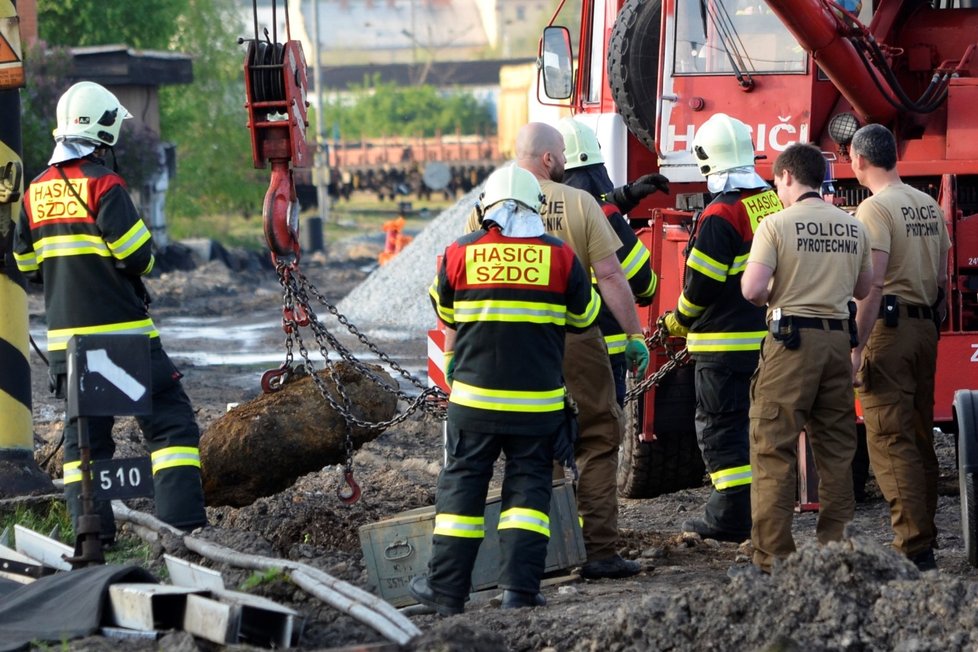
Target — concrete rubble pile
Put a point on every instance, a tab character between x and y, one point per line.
395	296
851	595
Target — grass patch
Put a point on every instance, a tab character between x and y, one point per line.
260	578
43	519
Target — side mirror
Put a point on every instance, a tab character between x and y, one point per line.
556	63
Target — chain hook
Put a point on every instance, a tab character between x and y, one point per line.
349	491
274	379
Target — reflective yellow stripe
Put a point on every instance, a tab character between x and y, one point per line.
521	518
510	311
445	314
149	266
456	525
26	262
70	245
172	456
688	308
590	313
58	338
131	241
706	342
616	343
650	290
735	477
707	266
739	265
72	472
635	259
506	400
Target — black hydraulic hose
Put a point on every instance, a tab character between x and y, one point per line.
923	104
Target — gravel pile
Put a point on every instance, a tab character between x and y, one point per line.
395	296
853	595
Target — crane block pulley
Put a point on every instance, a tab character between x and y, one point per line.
275	87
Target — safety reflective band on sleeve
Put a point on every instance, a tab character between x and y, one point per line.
72	472
26	262
706	342
739	265
131	241
465	527
707	266
506	400
510	311
650	289
590	313
167	458
521	518
58	338
445	314
70	245
616	343
635	259
149	266
735	477
688	308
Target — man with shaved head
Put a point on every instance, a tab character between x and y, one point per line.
575	217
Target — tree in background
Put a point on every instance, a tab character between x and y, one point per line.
206	121
374	109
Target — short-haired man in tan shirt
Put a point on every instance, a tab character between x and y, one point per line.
806	263
897	357
575	217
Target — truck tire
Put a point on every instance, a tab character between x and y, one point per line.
966	423
673	461
633	66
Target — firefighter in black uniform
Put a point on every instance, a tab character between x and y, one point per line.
510	291
80	235
585	170
723	330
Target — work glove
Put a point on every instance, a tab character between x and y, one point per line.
637	354
671	324
449	367
628	196
565	438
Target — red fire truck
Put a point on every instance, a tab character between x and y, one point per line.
645	74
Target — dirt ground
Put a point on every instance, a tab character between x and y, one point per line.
691	595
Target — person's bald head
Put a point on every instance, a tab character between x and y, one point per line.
540	149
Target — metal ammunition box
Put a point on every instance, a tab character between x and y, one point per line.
397	549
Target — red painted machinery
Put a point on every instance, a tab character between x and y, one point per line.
648	73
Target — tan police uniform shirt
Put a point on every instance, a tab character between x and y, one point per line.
908	225
817	252
588	232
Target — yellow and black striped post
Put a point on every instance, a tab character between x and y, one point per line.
19	473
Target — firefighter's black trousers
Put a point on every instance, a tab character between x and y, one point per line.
722	425
172	436
461	502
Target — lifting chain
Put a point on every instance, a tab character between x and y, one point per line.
677	358
296	290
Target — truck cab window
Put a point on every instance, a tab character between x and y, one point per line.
717	37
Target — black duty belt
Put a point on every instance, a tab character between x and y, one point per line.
818	322
913	312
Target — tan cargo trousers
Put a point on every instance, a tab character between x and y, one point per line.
587	373
897	399
807	388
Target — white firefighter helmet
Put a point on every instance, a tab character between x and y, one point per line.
723	143
88	110
512	182
581	145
